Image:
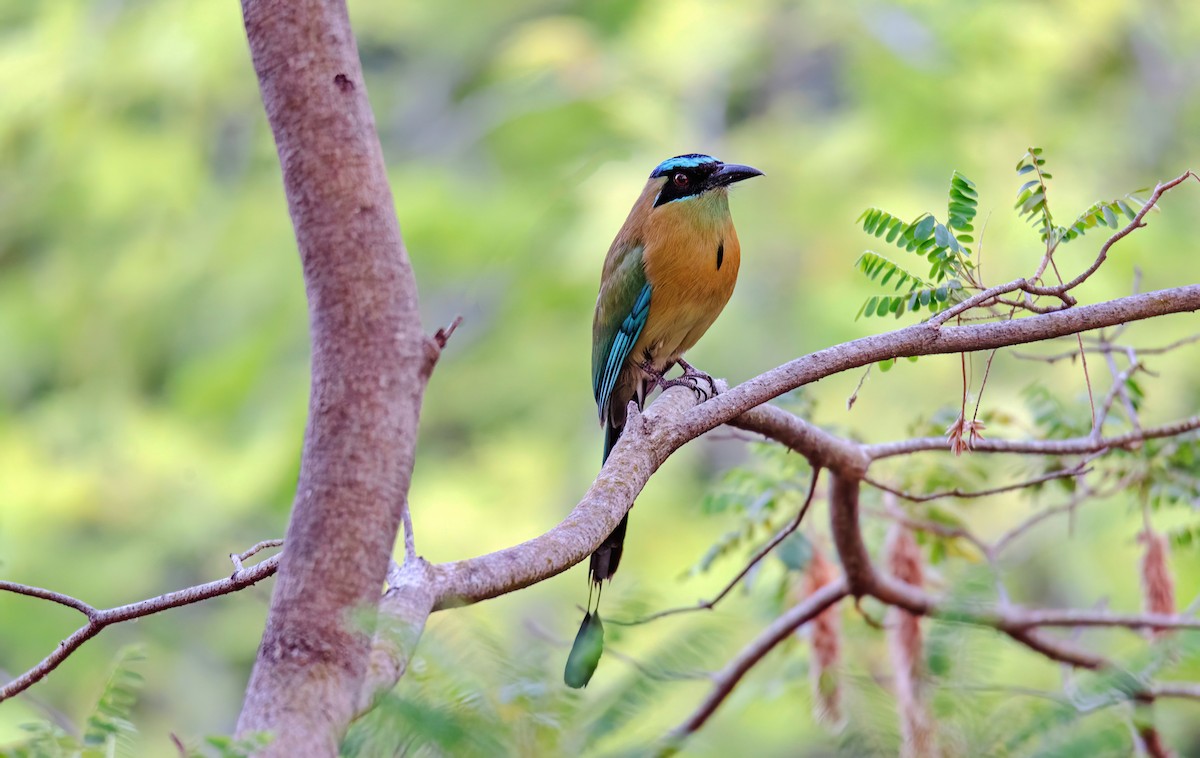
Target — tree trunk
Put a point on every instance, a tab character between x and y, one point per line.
369	366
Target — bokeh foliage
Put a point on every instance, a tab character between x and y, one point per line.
153	348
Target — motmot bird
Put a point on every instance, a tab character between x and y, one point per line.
666	278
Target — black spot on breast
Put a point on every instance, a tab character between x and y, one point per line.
720	254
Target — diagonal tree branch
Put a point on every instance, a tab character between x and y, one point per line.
675	419
728	677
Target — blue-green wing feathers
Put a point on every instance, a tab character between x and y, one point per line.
621	313
622	344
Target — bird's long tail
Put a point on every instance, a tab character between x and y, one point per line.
607	557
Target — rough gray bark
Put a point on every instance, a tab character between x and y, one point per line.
370	361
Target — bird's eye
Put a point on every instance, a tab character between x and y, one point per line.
680	179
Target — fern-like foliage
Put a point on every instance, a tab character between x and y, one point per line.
470	691
946	246
943	246
1032	205
243	746
1104	213
109	730
1031	197
109	725
760	497
961	207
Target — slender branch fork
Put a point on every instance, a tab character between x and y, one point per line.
1062	290
98	619
417	588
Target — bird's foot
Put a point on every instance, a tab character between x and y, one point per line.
694	374
656	375
694	379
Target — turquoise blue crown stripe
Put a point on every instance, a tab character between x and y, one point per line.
682	161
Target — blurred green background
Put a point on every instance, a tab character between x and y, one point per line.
153	345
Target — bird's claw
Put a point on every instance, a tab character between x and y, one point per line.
692	378
691	383
693	374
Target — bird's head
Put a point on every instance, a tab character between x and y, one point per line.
692	175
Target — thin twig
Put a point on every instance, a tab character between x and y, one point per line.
992	295
1115	391
894	513
1097	346
410	539
51	595
861	381
1012	534
1137	222
237	558
1077	470
1087	377
99	619
987	370
1074	446
763	552
443	335
1033	618
1120	380
1187	690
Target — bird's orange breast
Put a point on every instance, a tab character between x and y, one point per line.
691	259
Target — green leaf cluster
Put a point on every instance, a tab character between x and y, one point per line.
774	484
943	246
1031	197
946	246
109	723
109	728
471	691
1053	418
1175	468
1033	206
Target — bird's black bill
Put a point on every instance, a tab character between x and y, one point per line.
729	173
